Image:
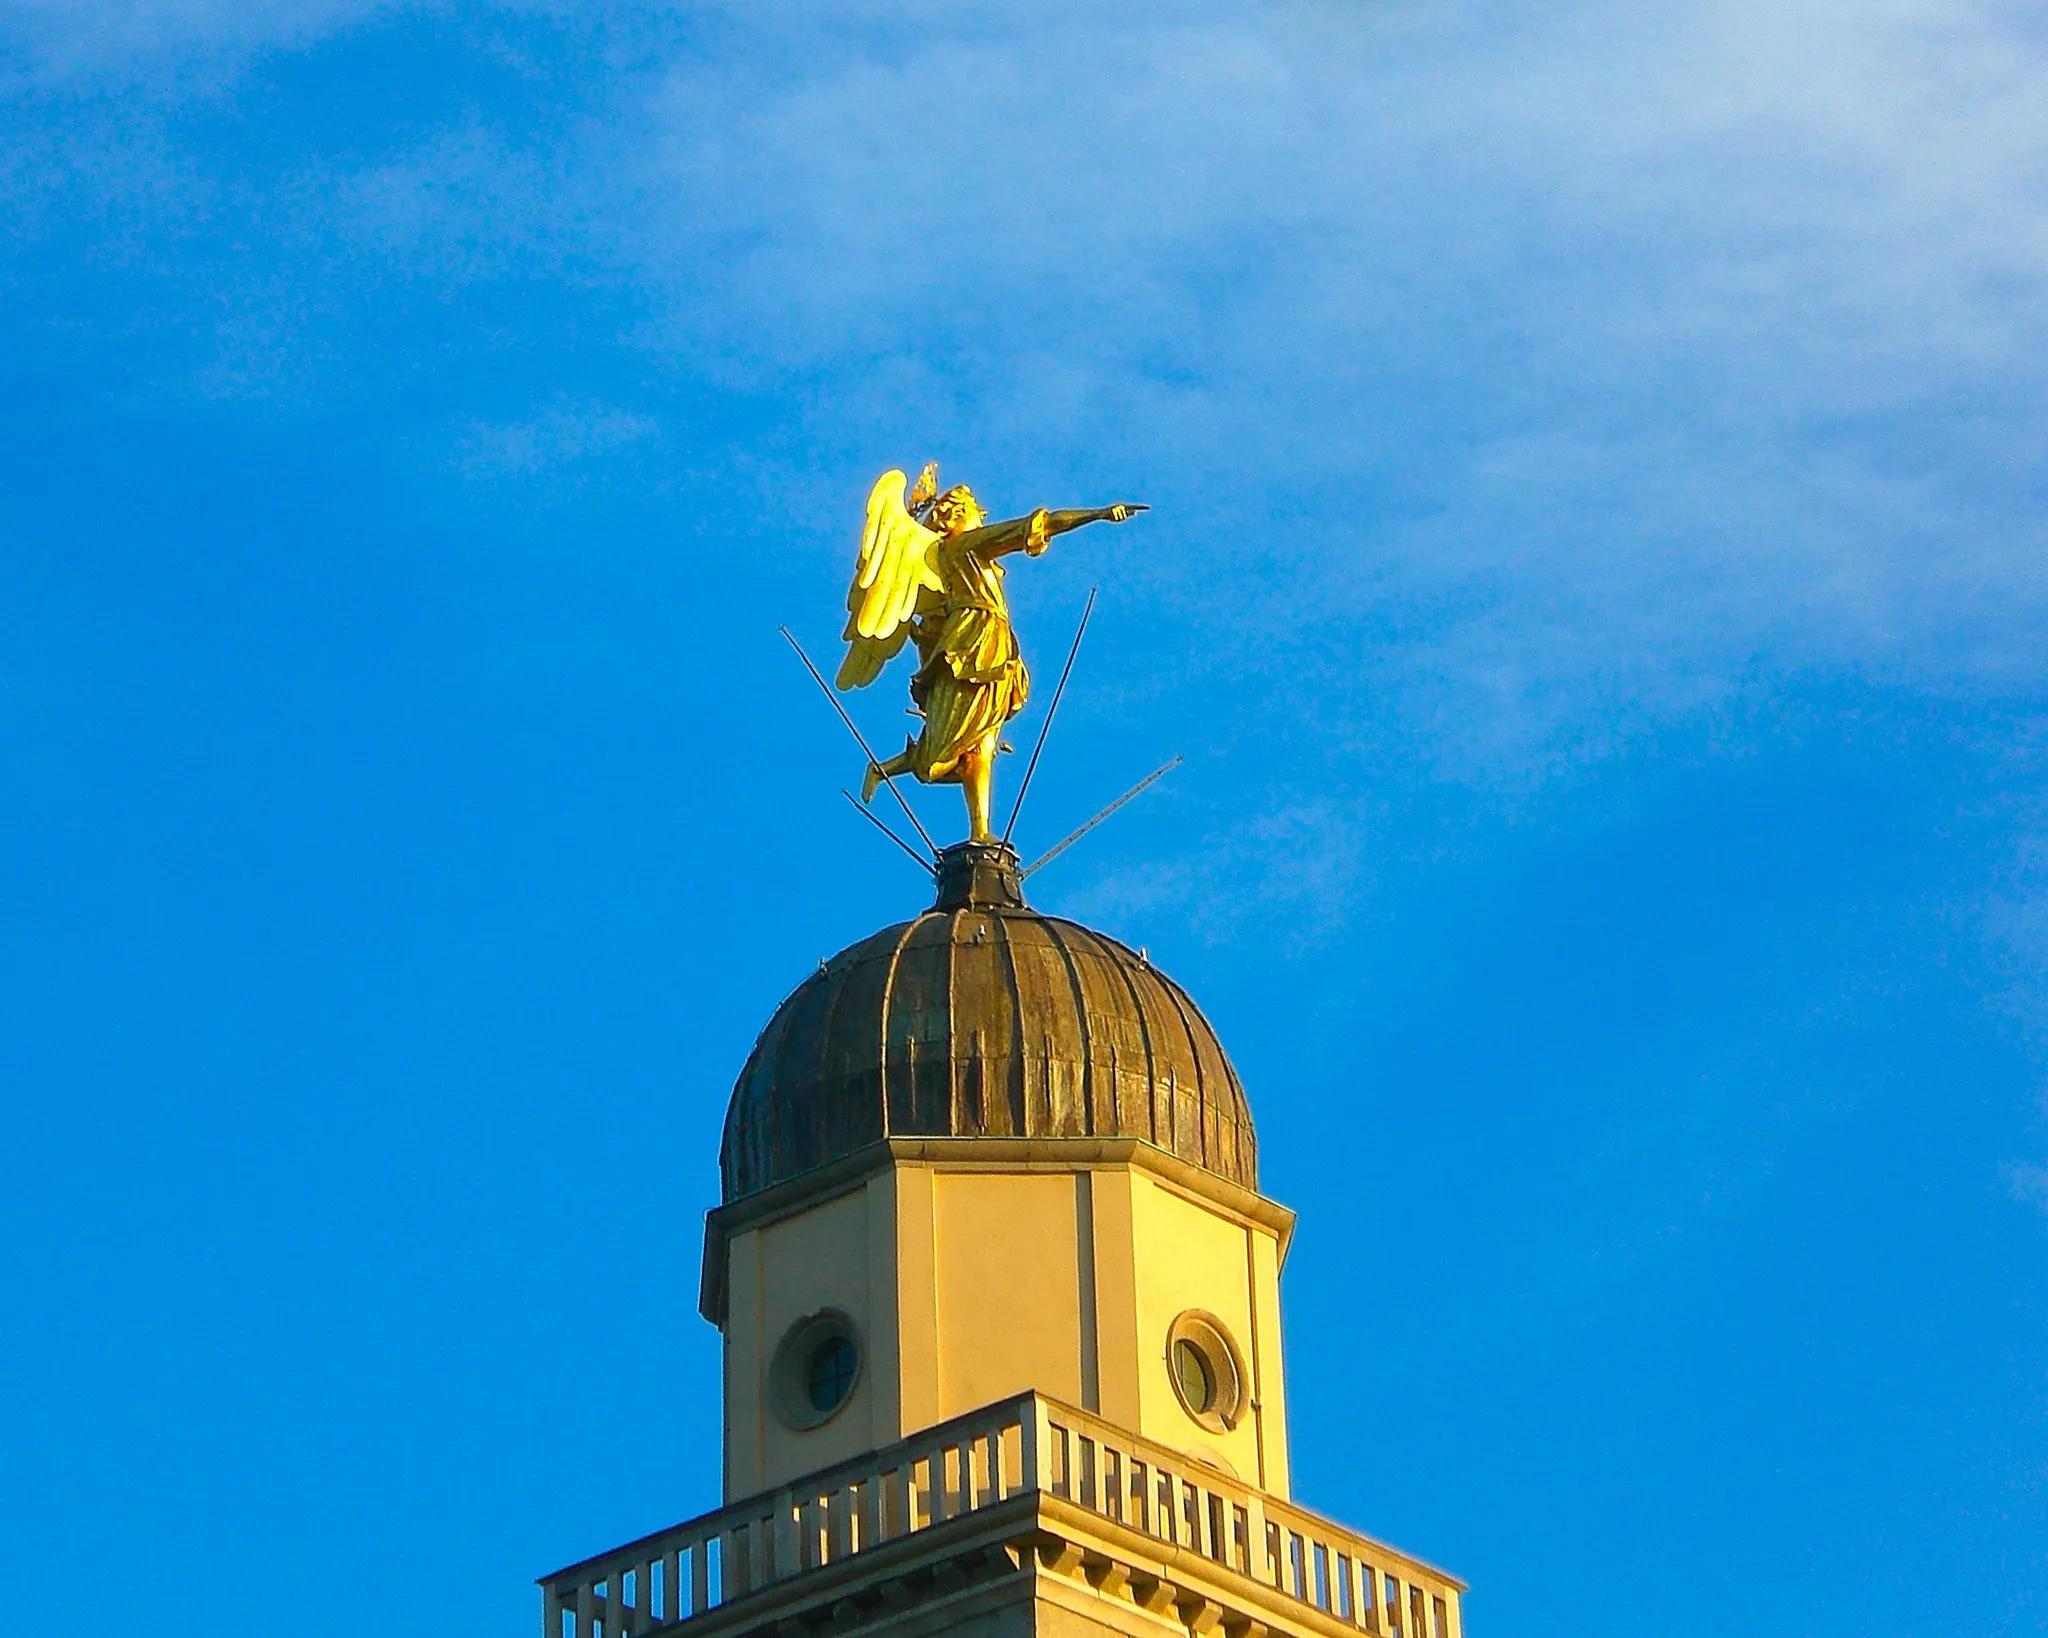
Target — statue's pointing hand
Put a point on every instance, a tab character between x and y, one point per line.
1123	510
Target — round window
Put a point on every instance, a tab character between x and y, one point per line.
828	1378
1202	1363
1192	1376
815	1369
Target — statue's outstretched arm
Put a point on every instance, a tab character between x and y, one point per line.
1030	534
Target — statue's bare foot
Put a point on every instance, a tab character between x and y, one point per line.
869	781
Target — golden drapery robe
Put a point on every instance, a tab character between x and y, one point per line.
972	679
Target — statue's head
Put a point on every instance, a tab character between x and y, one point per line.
955	512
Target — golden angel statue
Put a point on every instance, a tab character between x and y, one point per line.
930	571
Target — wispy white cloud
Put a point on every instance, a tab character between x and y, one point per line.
2028	1182
1558	373
125	37
1640	349
563	432
1300	865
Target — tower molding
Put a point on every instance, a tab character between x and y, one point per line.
991	1154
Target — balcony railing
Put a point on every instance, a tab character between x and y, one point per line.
974	1462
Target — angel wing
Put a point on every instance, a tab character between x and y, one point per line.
895	566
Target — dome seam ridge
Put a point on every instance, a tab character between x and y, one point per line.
1052	931
1151	1060
888	1013
952	1033
1020	1111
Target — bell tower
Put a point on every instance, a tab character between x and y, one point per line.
1000	1305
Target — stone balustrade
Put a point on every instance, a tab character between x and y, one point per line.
1054	1467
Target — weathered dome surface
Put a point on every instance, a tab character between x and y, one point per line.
982	1018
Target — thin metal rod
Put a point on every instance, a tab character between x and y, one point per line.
1156	774
868	814
1051	711
819	677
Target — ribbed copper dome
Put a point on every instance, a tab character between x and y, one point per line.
982	1018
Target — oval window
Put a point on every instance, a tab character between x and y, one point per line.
815	1370
1202	1363
828	1378
1192	1375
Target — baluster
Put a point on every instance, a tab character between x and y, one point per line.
996	1431
905	1491
1034	1446
550	1611
700	1575
781	1556
839	1517
1454	1622
1016	1474
735	1562
814	1528
974	1471
871	1507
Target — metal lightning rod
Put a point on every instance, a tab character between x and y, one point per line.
1051	710
819	678
1156	774
867	813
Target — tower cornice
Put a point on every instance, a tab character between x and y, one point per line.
843	1176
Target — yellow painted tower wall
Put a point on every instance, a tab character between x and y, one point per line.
967	1280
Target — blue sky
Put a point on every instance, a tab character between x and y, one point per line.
1596	579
